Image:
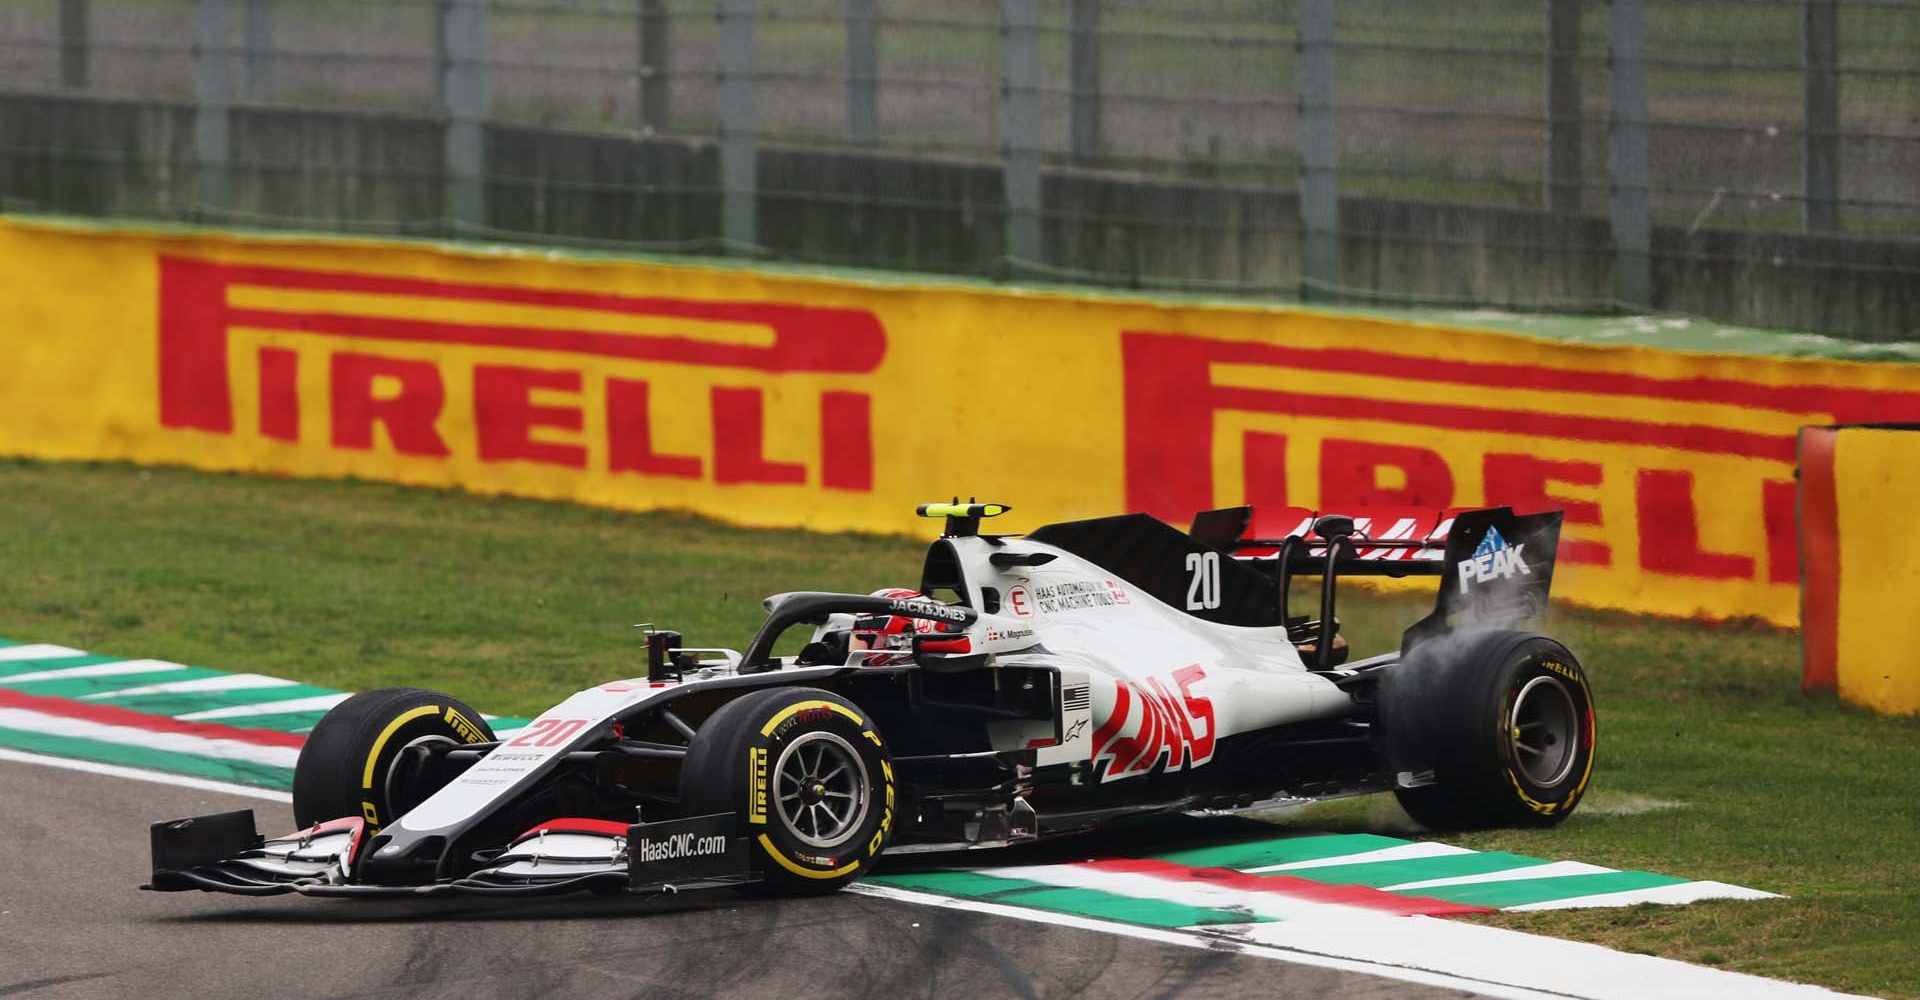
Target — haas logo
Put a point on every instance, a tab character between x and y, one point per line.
1151	724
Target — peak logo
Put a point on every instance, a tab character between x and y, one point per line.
1493	559
1150	725
464	372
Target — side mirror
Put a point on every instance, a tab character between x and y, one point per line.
947	654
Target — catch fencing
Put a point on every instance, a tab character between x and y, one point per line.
1754	161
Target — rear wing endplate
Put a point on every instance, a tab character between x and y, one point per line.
1495	566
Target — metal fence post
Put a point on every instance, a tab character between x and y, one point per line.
1083	74
211	98
655	77
1820	43
74	44
863	67
462	37
1563	107
1020	126
1319	151
1627	154
259	55
739	161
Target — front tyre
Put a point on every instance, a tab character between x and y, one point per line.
809	777
356	762
1503	719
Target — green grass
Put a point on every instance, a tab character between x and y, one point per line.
1711	766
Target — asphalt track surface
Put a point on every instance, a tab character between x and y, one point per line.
73	849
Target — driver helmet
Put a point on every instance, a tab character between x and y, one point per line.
885	641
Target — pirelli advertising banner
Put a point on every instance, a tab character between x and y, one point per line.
771	399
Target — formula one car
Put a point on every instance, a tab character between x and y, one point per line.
1029	687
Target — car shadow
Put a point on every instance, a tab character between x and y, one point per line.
1137	837
583	906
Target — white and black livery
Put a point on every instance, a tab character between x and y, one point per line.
1029	686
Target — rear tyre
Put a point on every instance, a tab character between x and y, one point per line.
808	776
1503	719
356	760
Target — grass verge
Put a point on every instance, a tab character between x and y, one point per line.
1711	766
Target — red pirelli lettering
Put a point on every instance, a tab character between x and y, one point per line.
1355	474
405	397
630	434
1172	401
1525	483
1670	530
279	394
504	415
521	413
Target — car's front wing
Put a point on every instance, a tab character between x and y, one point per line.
223	852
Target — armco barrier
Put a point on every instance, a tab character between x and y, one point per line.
777	399
1861	550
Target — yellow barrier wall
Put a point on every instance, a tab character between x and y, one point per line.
833	404
1877	482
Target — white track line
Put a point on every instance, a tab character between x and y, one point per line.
1552	869
1510	958
95	670
199	685
1684	892
37	651
317	703
199	746
136	774
1398	852
1188	939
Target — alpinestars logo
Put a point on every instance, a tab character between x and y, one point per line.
1493	560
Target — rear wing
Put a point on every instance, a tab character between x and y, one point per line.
1495	566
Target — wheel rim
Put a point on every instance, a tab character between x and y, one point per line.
395	769
1543	730
820	789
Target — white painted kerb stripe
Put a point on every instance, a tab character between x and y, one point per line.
1684	892
317	703
1398	852
199	685
134	773
1510	958
37	651
1554	869
201	746
95	670
1187	938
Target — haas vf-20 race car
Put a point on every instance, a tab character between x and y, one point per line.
1028	687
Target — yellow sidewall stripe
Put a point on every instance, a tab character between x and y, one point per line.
797	707
366	779
787	863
